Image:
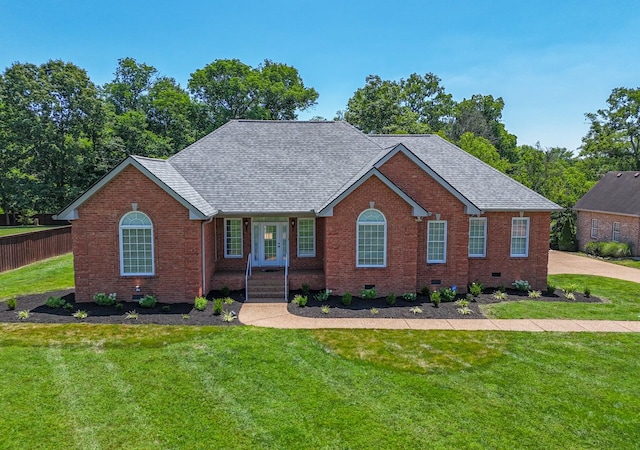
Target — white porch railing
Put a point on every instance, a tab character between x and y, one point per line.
247	274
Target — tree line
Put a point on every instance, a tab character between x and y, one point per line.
59	132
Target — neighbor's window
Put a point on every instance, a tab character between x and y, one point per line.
520	236
594	228
136	244
615	236
477	236
372	239
436	241
306	237
233	238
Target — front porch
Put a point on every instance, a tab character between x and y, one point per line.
268	277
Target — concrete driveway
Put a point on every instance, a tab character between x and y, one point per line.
563	262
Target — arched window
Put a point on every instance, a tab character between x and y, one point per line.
372	239
136	244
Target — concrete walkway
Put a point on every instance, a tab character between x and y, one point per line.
275	314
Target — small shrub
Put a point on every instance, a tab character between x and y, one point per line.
131	315
587	291
148	301
185	317
200	303
500	295
521	285
424	290
68	307
608	249
368	294
12	303
80	314
165	308
391	299
475	289
228	301
569	295
570	288
305	289
551	289
119	306
464	310
322	296
409	296
228	316
346	298
300	300
435	298
534	294
415	310
448	294
217	306
462	303
225	291
325	309
55	302
103	299
374	311
24	314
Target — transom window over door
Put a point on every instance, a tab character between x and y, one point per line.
371	250
136	244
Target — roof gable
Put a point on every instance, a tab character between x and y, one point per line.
616	192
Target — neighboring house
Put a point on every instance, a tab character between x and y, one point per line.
345	210
610	211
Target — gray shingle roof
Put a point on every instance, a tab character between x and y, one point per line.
286	166
616	192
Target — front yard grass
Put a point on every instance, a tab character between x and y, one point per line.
95	386
51	274
623	301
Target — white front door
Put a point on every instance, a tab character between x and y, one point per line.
270	243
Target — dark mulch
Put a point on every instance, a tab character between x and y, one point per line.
361	308
161	314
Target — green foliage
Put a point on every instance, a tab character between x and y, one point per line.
305	289
325	309
462	302
391	299
228	301
12	303
482	149
447	294
476	288
148	301
374	311
119	306
464	310
534	294
80	314
24	314
228	316
217	306
225	291
68	307
608	249
500	295
424	290
132	315
521	285
185	317
415	310
368	294
346	298
551	288
53	274
572	287
435	298
587	291
300	300
409	296
55	302
200	303
322	296
103	299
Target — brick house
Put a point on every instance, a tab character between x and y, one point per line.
340	209
610	211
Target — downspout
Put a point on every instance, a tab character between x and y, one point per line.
204	262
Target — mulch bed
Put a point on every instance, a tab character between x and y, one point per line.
175	315
361	308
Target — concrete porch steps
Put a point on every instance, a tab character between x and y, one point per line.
266	288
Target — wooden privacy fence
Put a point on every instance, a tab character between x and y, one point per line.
19	250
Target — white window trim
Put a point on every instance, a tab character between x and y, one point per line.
615	238
121	245
526	243
313	228
384	258
444	255
484	247
594	230
226	246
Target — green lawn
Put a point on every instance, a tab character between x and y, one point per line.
91	386
8	231
623	301
43	276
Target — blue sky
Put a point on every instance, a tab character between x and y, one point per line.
551	61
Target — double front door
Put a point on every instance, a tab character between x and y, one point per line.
270	241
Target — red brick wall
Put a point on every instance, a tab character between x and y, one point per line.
341	273
629	229
177	242
316	262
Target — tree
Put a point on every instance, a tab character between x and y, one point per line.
230	89
482	149
614	132
133	80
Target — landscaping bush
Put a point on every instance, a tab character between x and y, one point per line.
608	249
12	303
225	291
322	296
346	298
103	299
475	289
521	285
148	301
300	300
55	302
409	296
447	294
200	303
368	294
391	299
424	290
217	306
305	289
435	298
